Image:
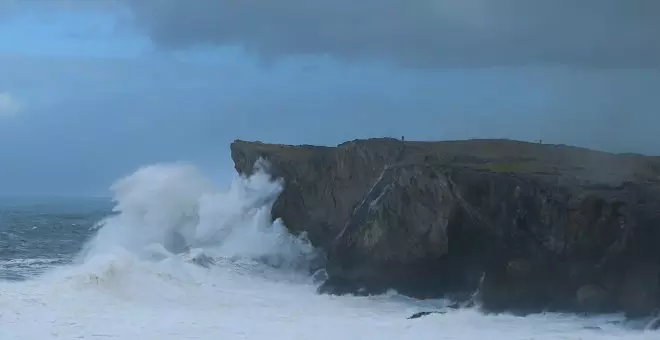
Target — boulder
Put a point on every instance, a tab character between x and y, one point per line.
527	226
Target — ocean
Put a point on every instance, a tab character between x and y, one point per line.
175	255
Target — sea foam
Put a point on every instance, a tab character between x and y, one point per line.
183	258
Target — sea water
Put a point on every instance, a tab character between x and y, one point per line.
177	256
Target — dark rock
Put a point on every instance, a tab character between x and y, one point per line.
593	298
527	225
519	268
420	314
641	289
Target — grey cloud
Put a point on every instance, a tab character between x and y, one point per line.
419	33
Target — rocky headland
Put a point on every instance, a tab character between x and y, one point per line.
529	227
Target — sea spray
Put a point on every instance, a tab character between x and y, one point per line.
173	208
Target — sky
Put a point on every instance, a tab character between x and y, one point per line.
90	90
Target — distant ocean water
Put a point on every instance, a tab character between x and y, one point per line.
184	258
38	233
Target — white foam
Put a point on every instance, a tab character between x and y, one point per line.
174	206
128	285
29	262
146	303
19	268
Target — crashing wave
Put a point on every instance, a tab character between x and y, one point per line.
171	210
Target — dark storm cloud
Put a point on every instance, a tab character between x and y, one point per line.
430	33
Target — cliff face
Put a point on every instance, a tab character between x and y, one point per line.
530	226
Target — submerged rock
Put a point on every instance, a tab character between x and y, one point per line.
420	314
529	226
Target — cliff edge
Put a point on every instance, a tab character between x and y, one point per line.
528	226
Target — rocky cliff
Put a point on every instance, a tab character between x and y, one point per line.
528	226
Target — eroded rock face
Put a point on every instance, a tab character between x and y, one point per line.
641	288
593	298
527	225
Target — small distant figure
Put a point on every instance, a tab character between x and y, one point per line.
540	141
402	138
